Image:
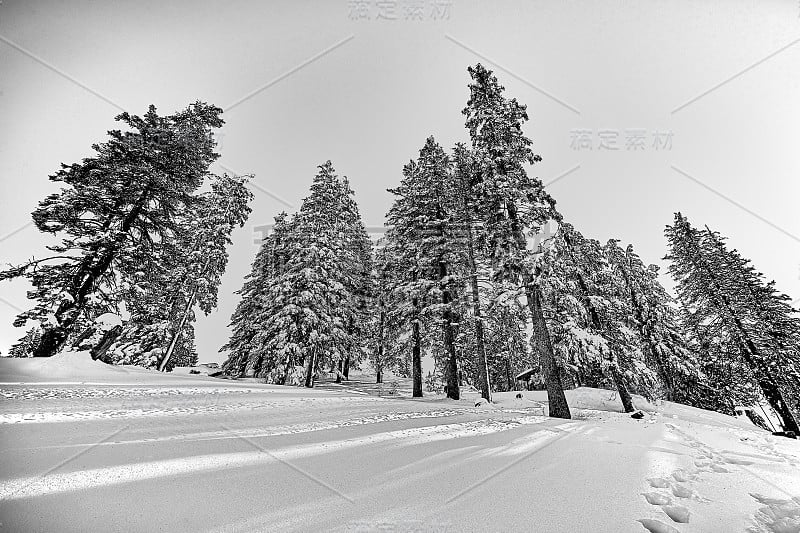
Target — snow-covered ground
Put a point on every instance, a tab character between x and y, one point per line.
88	447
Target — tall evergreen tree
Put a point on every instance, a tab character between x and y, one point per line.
260	297
590	323
467	175
203	251
728	303
652	313
304	301
426	238
161	286
511	204
121	199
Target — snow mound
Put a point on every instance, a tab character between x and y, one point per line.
79	367
64	365
76	364
108	321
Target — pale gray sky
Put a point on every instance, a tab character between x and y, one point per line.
307	81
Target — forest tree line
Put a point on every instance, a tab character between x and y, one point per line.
469	274
478	269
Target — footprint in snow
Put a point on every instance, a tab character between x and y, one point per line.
678	513
683	475
656	498
657	526
778	515
682	491
659	483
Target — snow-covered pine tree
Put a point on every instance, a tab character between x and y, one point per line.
359	281
184	270
203	252
425	236
509	204
729	305
27	344
332	274
506	337
129	191
728	382
307	312
396	292
776	328
653	314
590	322
468	178
261	288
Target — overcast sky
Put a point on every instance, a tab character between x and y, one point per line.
700	99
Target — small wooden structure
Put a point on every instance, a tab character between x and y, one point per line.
525	377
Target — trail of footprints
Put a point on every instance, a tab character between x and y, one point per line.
668	493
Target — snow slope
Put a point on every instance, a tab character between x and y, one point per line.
199	454
79	368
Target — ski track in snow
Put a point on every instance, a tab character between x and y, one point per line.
275	431
55	483
679	496
205	404
61	393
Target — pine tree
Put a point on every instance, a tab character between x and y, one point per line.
399	292
510	203
377	335
734	311
126	196
652	313
468	178
303	303
243	357
589	321
27	344
180	273
203	252
506	337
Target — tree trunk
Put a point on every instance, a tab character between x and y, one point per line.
481	362
556	398
175	336
776	400
416	356
622	389
379	359
91	268
769	387
346	369
339	371
88	332
541	336
451	366
312	364
99	351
